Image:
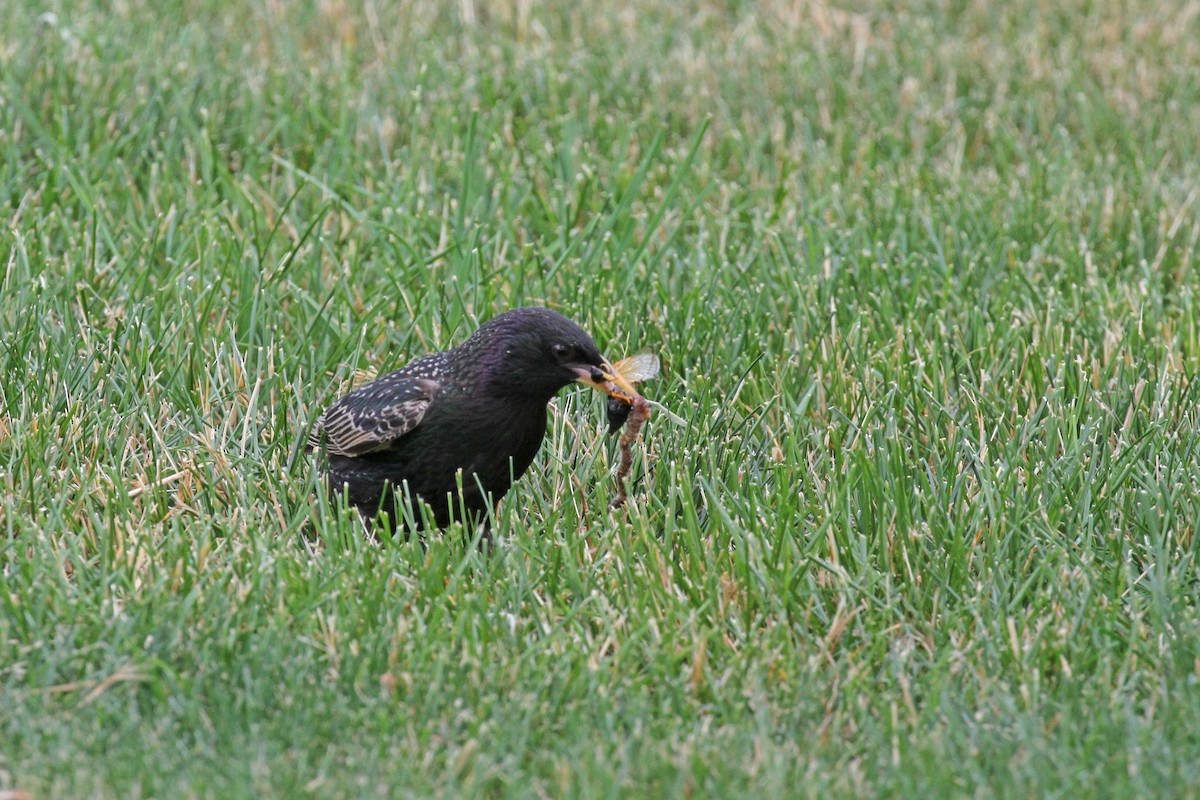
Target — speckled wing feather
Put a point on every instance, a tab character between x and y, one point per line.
373	417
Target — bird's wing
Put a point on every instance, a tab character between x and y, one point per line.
373	417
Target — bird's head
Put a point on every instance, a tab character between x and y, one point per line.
533	352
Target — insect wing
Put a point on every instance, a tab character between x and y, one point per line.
638	367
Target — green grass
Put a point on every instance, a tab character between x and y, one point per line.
924	281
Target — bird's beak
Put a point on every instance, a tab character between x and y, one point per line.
606	379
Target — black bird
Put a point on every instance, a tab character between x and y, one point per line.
473	416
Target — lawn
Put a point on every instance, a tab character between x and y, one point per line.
924	280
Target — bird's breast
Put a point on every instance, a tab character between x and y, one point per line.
508	438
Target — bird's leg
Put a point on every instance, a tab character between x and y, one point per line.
486	543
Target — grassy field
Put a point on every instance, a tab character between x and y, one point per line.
924	280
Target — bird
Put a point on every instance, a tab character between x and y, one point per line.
453	430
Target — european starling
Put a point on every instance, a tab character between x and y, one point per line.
472	417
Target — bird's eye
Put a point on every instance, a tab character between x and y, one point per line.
560	351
